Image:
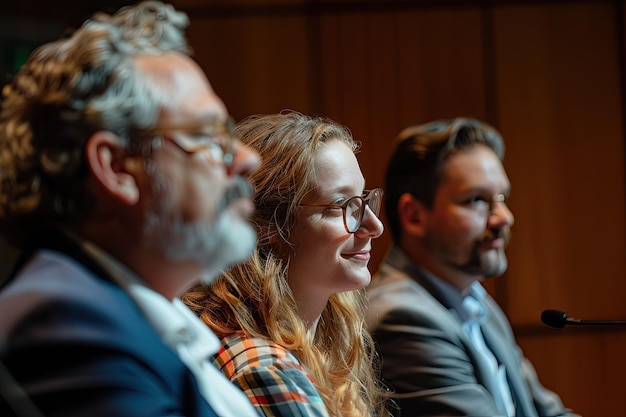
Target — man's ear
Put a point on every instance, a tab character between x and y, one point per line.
107	160
413	215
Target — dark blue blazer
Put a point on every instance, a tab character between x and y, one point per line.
78	345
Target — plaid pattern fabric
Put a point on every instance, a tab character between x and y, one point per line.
271	376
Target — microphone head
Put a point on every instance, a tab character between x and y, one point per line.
554	318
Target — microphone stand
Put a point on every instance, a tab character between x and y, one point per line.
558	319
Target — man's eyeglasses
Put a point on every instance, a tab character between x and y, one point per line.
354	208
485	205
215	139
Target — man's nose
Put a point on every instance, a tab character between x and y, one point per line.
501	215
245	160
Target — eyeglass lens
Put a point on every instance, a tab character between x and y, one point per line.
355	209
218	141
215	139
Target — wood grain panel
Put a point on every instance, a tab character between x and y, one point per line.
256	64
585	368
559	95
560	111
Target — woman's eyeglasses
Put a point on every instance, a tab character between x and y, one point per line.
354	208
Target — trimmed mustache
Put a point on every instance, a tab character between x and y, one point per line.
240	188
501	233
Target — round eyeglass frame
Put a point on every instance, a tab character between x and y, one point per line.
366	198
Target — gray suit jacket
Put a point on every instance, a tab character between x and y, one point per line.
428	361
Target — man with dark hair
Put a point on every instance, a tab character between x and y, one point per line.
446	346
123	184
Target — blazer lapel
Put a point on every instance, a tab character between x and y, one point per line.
478	362
521	397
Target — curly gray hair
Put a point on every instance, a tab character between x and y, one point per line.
66	91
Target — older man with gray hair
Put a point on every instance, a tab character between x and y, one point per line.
123	184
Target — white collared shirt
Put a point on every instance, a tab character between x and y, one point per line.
184	333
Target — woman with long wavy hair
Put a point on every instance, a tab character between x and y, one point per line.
291	318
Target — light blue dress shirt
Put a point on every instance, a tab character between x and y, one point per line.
471	311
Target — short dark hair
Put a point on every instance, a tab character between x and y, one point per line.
417	162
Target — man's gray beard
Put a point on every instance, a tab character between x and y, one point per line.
234	241
214	246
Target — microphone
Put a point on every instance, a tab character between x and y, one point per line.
558	319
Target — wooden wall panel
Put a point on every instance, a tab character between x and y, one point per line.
243	4
585	368
257	64
560	109
559	100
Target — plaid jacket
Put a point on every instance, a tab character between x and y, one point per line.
271	376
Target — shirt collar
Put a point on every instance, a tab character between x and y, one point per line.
472	307
469	307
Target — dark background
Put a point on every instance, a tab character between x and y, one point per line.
550	75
